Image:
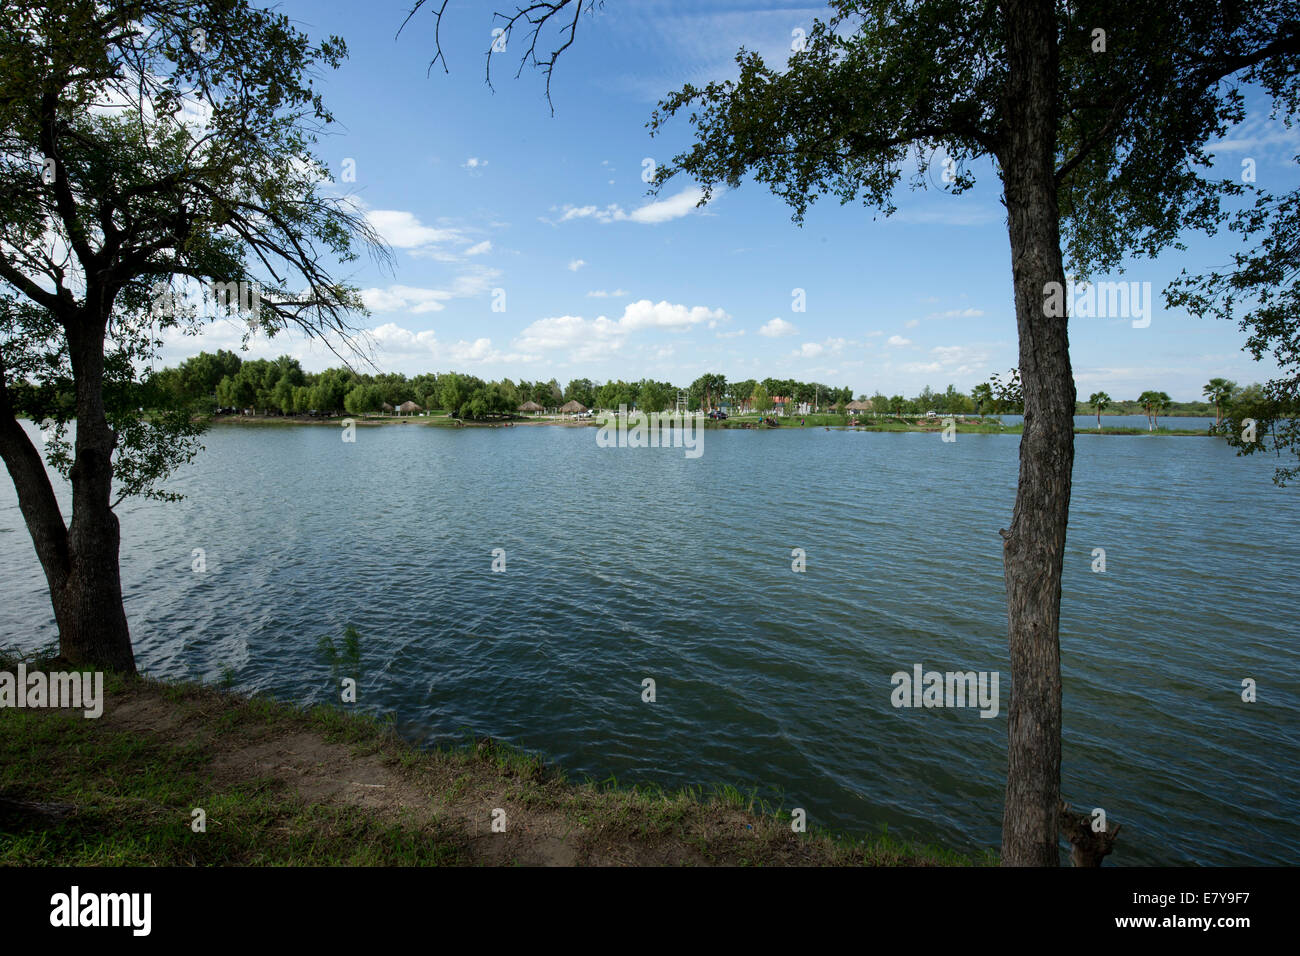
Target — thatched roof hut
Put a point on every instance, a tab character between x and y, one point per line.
387	409
572	408
409	408
854	408
531	407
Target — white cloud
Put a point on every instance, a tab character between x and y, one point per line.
479	248
589	339
672	208
957	314
911	323
602	294
401	343
417	300
577	264
406	297
777	327
899	340
579	212
961	360
663	210
826	347
474	163
599	336
644	314
403	230
1261	134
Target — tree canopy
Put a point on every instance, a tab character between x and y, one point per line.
155	157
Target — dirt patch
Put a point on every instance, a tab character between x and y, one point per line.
487	804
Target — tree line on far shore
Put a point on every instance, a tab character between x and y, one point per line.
209	382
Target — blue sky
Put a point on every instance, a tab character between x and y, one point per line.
479	190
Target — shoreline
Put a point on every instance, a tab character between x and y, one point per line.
284	784
906	425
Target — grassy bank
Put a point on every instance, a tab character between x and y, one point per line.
975	427
284	785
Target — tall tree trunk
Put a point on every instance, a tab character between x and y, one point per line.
92	620
1034	547
80	560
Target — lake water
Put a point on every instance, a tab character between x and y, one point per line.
1176	422
623	564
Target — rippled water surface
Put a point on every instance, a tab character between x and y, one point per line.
631	563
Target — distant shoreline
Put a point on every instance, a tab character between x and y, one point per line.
906	425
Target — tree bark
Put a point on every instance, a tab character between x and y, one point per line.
1034	546
93	629
80	560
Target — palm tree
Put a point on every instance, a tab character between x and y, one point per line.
982	394
1100	401
1162	404
1147	400
1220	392
1154	403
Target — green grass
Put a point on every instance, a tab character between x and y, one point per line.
1111	430
130	793
135	796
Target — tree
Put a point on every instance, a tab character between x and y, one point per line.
1219	391
581	390
196	378
1159	405
1265	275
283	395
760	400
1100	401
1007	396
425	390
926	401
1021	82
654	396
103	214
1146	400
707	390
741	392
982	396
488	401
1095	144
453	393
1153	403
357	400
